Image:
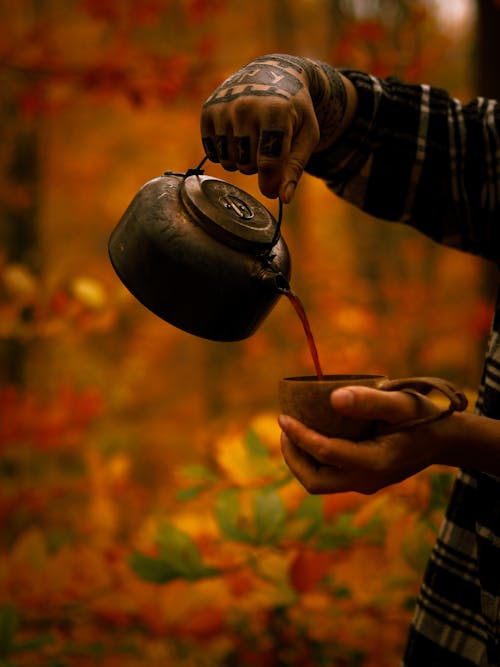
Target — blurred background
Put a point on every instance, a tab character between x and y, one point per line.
146	515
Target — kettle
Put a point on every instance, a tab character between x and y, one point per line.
201	254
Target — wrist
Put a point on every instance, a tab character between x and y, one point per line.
468	440
334	99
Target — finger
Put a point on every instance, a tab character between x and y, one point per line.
311	442
272	152
275	139
210	148
244	153
369	403
314	477
225	149
303	144
330	451
317	478
245	137
208	137
217	138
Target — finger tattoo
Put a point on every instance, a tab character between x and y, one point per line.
242	150
271	143
210	149
222	147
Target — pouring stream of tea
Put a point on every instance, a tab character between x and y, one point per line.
300	310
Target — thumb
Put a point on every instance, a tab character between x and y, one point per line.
369	403
301	149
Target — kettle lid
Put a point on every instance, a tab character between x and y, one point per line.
228	213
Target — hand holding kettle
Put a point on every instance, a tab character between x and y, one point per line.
272	115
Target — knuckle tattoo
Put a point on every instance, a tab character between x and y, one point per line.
222	147
271	143
210	148
242	150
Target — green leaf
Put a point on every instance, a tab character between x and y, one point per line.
179	552
280	482
179	558
441	484
9	624
254	445
340	534
311	509
199	471
190	493
34	644
341	592
227	515
343	532
151	569
269	515
205	477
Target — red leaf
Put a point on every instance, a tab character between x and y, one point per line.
147	12
308	568
371	31
200	10
203	623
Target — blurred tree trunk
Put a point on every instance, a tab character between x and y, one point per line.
367	239
283	25
19	233
222	359
19	209
488	48
487	79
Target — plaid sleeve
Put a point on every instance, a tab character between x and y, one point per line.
415	155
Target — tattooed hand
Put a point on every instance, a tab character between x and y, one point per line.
271	115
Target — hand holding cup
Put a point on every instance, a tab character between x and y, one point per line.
360	433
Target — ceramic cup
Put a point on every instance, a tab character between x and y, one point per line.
308	400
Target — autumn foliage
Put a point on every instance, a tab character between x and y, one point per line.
243	568
147	515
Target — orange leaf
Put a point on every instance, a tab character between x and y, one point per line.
240	583
308	568
336	503
203	623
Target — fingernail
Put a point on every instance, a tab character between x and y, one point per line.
289	191
283	421
344	398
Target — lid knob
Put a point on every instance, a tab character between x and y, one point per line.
228	213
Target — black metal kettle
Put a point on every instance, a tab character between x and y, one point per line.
202	254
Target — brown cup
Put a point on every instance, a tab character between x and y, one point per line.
308	400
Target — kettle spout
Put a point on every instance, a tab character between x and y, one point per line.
278	280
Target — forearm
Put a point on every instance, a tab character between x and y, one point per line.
470	441
416	155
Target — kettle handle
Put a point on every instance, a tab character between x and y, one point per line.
277	232
197	170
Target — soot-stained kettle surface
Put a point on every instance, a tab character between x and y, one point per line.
201	254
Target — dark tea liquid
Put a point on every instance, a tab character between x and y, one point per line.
299	309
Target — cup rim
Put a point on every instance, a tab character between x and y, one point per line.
342	377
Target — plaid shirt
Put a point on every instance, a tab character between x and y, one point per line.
417	156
